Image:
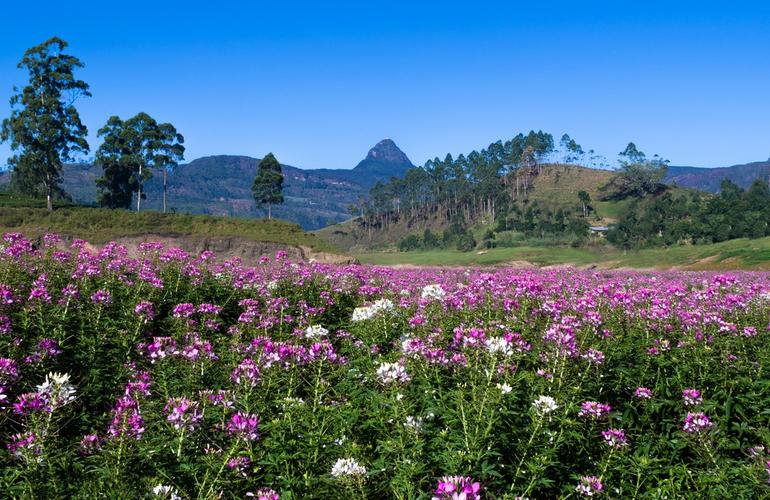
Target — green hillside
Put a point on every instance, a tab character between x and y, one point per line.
99	225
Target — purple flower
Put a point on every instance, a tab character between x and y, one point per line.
692	397
183	413
25	446
615	438
239	465
247	372
643	393
593	409
457	488
184	310
126	419
244	425
145	310
9	370
695	423
90	444
31	402
264	493
101	298
589	486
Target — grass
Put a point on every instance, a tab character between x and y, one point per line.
734	254
99	225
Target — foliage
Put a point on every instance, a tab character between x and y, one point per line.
670	219
268	184
637	176
179	375
44	128
131	149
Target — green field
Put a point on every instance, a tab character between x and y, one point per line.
734	254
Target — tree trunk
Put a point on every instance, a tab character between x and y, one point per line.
269	212
165	173
139	191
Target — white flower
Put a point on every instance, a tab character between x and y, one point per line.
58	388
499	344
272	285
347	467
362	314
389	373
166	492
315	331
413	423
504	388
382	305
433	292
545	405
368	312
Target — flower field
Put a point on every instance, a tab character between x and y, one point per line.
180	376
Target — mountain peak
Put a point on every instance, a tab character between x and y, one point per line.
386	151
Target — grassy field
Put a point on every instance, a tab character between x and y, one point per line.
734	254
98	225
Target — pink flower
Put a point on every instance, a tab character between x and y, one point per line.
643	393
593	409
244	425
615	438
589	486
695	423
692	397
457	488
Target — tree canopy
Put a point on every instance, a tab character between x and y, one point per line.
44	128
131	149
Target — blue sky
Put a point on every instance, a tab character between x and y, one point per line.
319	85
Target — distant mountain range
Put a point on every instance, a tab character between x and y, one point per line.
315	198
708	179
221	185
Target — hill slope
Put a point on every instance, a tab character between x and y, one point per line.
221	185
556	187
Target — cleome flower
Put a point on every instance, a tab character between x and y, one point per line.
315	332
347	467
457	488
433	292
544	405
615	438
391	373
643	393
593	410
590	486
695	423
691	397
57	389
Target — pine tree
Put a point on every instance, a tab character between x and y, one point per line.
268	184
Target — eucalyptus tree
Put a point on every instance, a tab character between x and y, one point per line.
268	184
44	129
130	151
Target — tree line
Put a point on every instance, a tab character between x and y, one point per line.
45	132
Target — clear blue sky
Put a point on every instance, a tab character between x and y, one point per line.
320	85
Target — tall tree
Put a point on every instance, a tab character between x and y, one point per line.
268	184
44	128
131	148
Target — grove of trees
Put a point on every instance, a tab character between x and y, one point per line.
131	149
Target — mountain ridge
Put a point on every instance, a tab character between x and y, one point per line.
221	185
